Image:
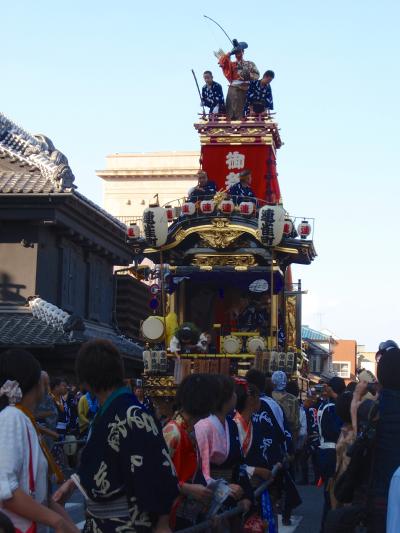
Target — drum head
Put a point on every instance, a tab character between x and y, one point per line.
255	343
153	328
231	344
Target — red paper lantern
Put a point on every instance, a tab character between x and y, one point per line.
133	231
207	206
246	208
188	208
304	229
227	206
170	213
288	227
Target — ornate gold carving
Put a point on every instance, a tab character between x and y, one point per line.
239	261
291	321
219	239
268	139
216	131
221	235
235	140
218	224
248	131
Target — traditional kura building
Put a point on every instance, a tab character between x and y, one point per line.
58	251
131	180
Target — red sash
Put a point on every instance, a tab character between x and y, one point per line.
245	432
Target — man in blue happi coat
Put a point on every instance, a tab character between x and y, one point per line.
212	95
259	96
242	192
204	190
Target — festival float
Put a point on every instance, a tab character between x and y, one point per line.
219	268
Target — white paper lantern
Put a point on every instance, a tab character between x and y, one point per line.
188	208
155	225
207	206
227	207
246	208
271	219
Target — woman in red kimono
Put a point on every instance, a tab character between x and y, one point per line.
195	398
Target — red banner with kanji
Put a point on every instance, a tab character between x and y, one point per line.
223	164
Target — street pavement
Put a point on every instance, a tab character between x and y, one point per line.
306	518
310	510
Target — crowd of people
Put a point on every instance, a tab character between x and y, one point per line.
228	440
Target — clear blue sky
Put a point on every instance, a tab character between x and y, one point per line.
100	77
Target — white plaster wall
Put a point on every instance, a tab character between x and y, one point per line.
130	196
130	181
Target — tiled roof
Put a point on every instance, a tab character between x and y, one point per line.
44	324
314	335
101	210
124	345
36	153
318	348
25	183
23	329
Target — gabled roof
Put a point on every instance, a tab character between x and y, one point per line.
30	164
309	334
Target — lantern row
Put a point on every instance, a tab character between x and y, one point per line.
273	224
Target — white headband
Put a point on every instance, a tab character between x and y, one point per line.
12	390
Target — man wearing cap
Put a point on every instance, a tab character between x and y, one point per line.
242	192
329	425
259	96
239	73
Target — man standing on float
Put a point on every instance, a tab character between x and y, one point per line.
239	73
